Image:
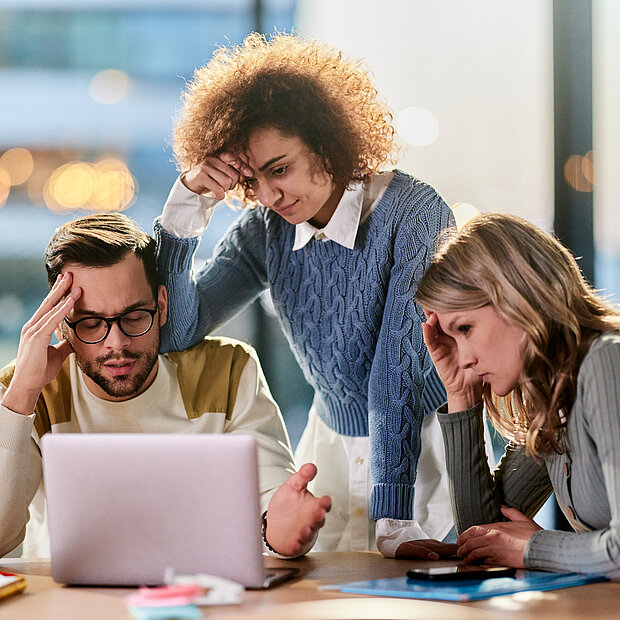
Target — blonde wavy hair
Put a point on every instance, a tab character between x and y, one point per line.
297	85
533	282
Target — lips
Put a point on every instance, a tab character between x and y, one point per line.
120	368
285	209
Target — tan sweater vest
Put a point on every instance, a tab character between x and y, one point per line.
208	374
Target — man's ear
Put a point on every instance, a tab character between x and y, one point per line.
162	304
59	334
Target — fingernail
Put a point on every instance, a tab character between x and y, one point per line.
247	172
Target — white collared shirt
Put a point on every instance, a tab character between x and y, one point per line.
187	214
354	207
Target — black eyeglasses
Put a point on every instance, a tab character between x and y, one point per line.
94	329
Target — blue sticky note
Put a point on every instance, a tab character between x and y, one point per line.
164	612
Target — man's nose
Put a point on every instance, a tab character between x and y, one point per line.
116	338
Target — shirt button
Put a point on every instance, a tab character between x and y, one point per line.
359	460
320	236
570	512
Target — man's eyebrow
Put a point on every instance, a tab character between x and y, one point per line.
273	160
134	306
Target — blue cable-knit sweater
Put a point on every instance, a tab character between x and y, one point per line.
349	316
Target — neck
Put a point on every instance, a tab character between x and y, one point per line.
325	213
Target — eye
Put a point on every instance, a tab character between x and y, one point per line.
464	329
278	172
91	323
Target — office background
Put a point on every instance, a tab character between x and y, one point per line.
504	105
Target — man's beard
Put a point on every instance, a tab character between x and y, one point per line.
124	385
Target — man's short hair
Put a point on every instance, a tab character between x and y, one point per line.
100	240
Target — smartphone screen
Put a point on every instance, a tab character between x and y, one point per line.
460	572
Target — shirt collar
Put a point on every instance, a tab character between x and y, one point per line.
343	224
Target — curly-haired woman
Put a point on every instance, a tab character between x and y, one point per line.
512	324
292	128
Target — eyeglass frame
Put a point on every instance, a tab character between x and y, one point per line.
110	321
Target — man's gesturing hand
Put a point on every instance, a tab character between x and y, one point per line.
295	515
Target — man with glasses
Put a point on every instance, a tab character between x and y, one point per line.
106	308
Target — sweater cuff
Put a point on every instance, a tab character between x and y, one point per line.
15	430
174	253
391	501
545	548
456	419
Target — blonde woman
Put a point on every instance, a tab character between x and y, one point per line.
293	128
513	325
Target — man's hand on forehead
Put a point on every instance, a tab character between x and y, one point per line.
38	362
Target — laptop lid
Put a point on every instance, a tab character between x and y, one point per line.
124	507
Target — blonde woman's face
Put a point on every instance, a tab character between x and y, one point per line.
290	179
488	345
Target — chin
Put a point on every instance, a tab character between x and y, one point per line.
502	390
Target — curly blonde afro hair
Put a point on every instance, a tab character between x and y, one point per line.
296	85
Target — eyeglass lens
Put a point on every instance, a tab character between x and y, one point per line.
94	329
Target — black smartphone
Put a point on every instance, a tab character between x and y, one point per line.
460	572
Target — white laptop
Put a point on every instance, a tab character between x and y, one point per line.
123	508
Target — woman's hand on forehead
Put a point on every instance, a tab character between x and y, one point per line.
216	175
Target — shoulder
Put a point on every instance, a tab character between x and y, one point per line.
210	372
210	350
411	200
601	365
415	190
604	353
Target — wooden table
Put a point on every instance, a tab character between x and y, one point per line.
301	599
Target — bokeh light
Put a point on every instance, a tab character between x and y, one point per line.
417	126
463	212
71	186
36	183
115	187
587	166
106	185
574	173
18	162
5	186
109	86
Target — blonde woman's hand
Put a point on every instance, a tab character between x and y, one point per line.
463	386
216	175
501	544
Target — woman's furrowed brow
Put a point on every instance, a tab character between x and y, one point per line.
268	163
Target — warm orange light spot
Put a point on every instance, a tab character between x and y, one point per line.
106	185
574	174
5	186
19	164
587	166
115	187
71	185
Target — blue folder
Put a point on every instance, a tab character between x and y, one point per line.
466	590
